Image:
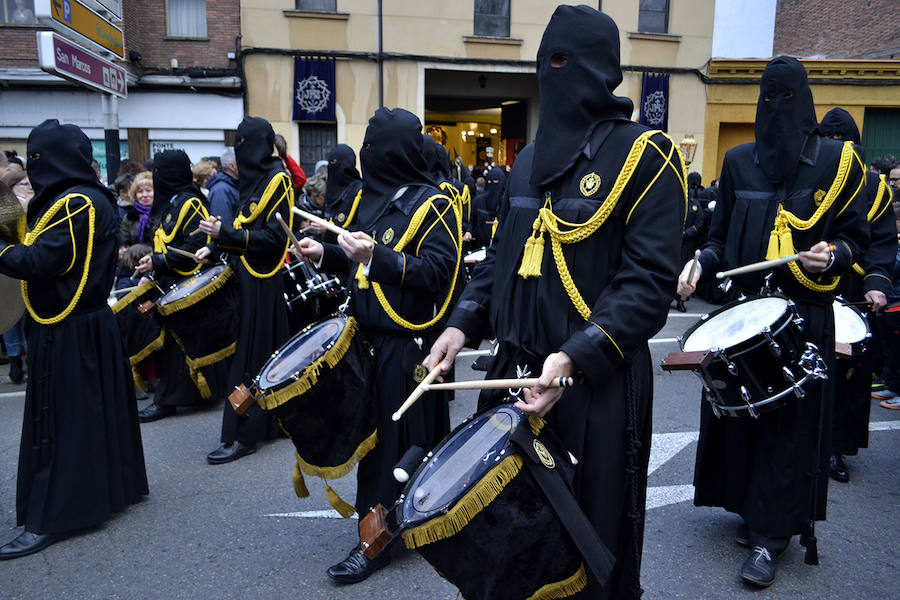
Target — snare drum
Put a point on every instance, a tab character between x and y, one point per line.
309	295
475	512
201	312
318	384
141	333
760	359
851	329
471	260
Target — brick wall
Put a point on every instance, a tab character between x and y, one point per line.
19	46
146	31
838	28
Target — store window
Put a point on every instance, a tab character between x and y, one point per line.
492	18
17	12
187	18
653	16
317	5
316	139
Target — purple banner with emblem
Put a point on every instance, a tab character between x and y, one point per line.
655	101
314	89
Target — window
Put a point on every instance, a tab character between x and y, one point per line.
18	12
187	18
316	139
653	16
492	18
317	5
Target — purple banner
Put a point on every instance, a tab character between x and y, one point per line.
65	59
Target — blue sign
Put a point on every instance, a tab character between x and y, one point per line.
67	11
314	89
655	101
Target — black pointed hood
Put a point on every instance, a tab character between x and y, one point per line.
253	146
437	159
171	175
392	156
59	157
341	173
785	116
494	187
838	121
578	96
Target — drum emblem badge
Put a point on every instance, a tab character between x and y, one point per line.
590	184
420	372
341	217
543	454
388	236
168	218
819	196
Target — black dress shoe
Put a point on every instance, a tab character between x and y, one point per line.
759	568
742	537
155	412
679	305
356	567
27	543
229	452
838	469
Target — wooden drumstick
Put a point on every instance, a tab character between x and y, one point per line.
290	233
497	384
762	265
327	225
198	230
692	271
125	290
420	389
184	253
136	274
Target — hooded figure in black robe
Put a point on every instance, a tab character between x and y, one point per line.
257	244
178	207
344	184
417	280
622	261
80	458
486	205
761	468
869	281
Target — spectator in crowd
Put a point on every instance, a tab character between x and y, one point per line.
137	226
882	165
890	336
13	157
96	167
224	195
894	177
14	338
298	177
202	171
122	188
130	167
313	201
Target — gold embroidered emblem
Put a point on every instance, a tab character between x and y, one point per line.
695	208
388	236
543	454
819	196
341	217
590	184
419	373
168	218
252	206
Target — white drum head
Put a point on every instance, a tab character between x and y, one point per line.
735	325
849	326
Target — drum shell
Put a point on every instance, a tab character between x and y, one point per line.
141	333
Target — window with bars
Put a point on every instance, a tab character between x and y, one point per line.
316	139
653	16
492	18
187	18
317	5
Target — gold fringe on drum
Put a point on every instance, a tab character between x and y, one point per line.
562	589
198	295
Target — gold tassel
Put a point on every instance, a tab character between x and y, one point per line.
536	424
338	503
772	251
299	483
138	380
361	281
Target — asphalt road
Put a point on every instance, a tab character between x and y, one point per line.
238	530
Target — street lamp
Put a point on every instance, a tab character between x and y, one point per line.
688	147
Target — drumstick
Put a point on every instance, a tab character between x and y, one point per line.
135	274
762	265
184	253
420	389
497	384
692	271
125	290
290	233
196	231
326	224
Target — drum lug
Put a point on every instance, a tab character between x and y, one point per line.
704	317
732	368
745	394
788	375
798	391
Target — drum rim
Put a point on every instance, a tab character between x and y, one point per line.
740	347
296	373
133	295
216	281
842	303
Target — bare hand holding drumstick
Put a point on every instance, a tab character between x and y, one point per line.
877	300
310	250
357	245
817	258
211	227
445	349
541	398
685	287
145	265
202	255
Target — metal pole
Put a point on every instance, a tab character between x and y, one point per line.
111	136
380	58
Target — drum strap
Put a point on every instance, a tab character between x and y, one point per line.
596	555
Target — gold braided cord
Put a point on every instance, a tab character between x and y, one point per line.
161	239
859	269
132	296
196	296
42	226
353	208
562	589
667	163
476	499
280	179
408	235
883	188
862	180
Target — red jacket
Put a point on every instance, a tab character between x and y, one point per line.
297	174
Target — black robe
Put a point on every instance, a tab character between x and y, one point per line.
625	272
871	271
415	282
760	469
258	249
80	458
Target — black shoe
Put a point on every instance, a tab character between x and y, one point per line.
227	453
155	412
759	568
27	543
356	567
679	306
16	372
742	537
838	469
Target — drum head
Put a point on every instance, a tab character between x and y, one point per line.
188	286
458	463
475	257
300	351
849	326
736	324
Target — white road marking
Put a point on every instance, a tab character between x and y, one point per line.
12	394
662	340
664	495
884	425
311	514
666	445
689	315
